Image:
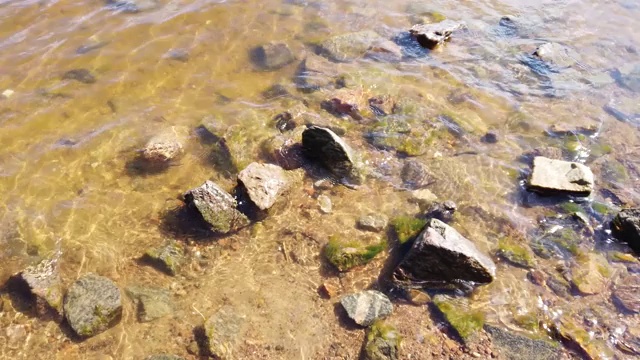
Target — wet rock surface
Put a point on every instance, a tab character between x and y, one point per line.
517	347
168	258
273	56
555	176
366	307
151	303
223	331
373	222
432	35
416	175
92	305
43	282
590	274
264	183
323	145
442	257
217	207
166	146
382	342
442	211
627	293
626	227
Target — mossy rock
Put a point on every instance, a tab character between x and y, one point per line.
464	320
382	342
348	255
407	228
572	332
516	254
590	274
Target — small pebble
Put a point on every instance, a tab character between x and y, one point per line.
325	204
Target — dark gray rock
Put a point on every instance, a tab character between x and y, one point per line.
165	146
491	137
441	257
82	75
366	307
43	282
134	6
273	56
217	207
92	305
442	211
373	222
223	331
416	175
164	357
151	303
382	342
324	146
556	176
627	293
316	72
626	227
517	347
264	183
351	46
169	258
556	55
432	35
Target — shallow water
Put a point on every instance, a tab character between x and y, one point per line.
68	179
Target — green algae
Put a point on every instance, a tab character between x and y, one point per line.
347	255
382	342
465	321
516	254
601	208
407	228
571	207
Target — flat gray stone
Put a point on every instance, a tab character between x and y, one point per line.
441	257
517	347
223	331
151	303
335	154
217	207
92	305
557	176
264	183
373	222
432	35
366	307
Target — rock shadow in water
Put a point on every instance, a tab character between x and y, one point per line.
182	222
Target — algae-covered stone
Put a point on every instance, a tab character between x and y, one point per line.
223	331
518	347
516	254
264	183
349	47
366	307
626	227
382	342
217	207
590	274
465	320
556	176
442	257
432	35
168	258
43	282
573	334
92	305
407	228
373	222
323	145
151	303
347	255
627	293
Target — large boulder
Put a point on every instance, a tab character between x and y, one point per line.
626	227
324	146
366	307
264	183
432	35
217	207
560	177
92	305
441	257
43	282
223	330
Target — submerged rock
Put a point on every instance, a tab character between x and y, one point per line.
82	75
465	320
557	176
373	222
416	175
151	303
628	76
556	54
43	282
223	330
366	307
217	207
168	258
166	146
323	145
626	227
627	293
441	257
517	347
432	35
134	6
92	305
590	274
382	342
349	47
316	72
273	56
264	183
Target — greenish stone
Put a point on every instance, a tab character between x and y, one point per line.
217	207
223	331
347	255
407	228
168	258
465	320
382	342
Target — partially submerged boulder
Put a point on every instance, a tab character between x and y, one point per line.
165	146
217	207
556	176
92	305
324	146
366	307
626	227
223	330
432	35
43	282
441	257
264	183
